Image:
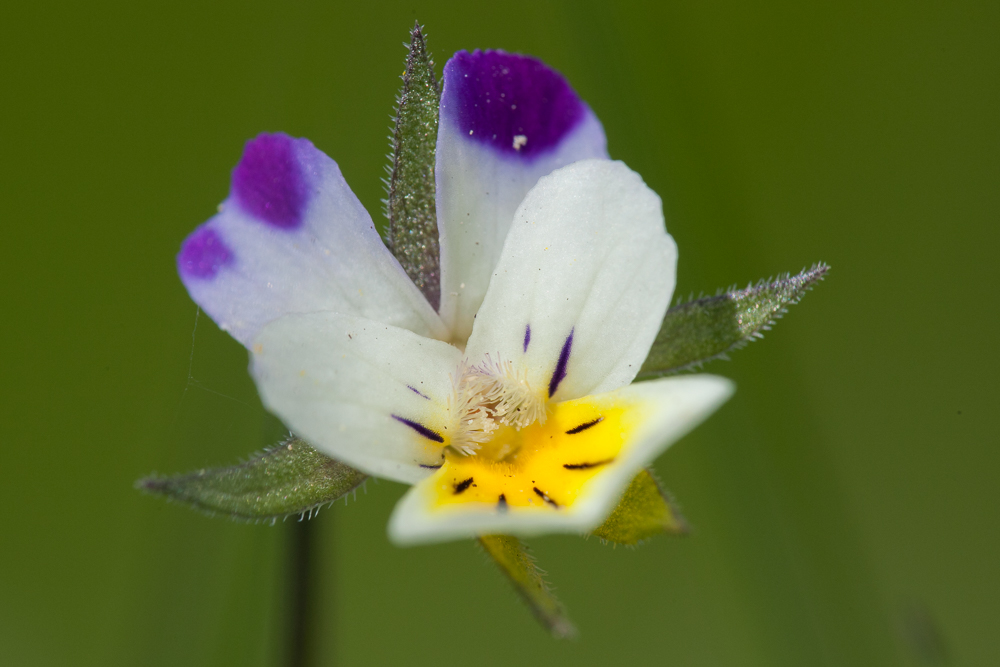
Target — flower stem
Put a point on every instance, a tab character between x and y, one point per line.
301	617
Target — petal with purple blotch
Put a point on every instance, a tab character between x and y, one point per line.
202	254
293	238
269	183
590	267
506	121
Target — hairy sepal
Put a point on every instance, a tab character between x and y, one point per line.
704	329
644	511
410	204
514	560
289	479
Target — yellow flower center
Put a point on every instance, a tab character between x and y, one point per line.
544	465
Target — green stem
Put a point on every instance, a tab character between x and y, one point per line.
301	617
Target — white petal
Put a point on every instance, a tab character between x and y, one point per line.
293	238
667	410
584	280
506	121
348	385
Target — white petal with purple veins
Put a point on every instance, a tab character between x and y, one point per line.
371	395
506	120
590	268
671	407
293	238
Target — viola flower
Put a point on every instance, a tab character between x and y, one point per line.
508	403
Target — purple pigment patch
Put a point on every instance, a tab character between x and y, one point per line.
420	428
527	337
559	374
268	183
515	104
202	254
418	392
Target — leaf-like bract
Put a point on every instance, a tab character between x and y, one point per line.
513	559
698	331
644	510
410	205
287	479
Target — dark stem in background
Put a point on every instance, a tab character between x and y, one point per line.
301	616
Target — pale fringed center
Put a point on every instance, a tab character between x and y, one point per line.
491	394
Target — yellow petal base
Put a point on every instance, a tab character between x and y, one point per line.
542	466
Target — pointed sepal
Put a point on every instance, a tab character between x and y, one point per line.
514	560
410	204
288	479
645	510
698	331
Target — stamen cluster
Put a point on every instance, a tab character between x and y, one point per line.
488	395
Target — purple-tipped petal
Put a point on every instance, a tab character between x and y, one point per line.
293	238
506	121
268	183
203	254
515	104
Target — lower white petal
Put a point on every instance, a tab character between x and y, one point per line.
369	394
570	488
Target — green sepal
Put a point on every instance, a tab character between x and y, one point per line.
644	510
287	479
410	204
514	560
698	331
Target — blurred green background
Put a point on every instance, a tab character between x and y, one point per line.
844	502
